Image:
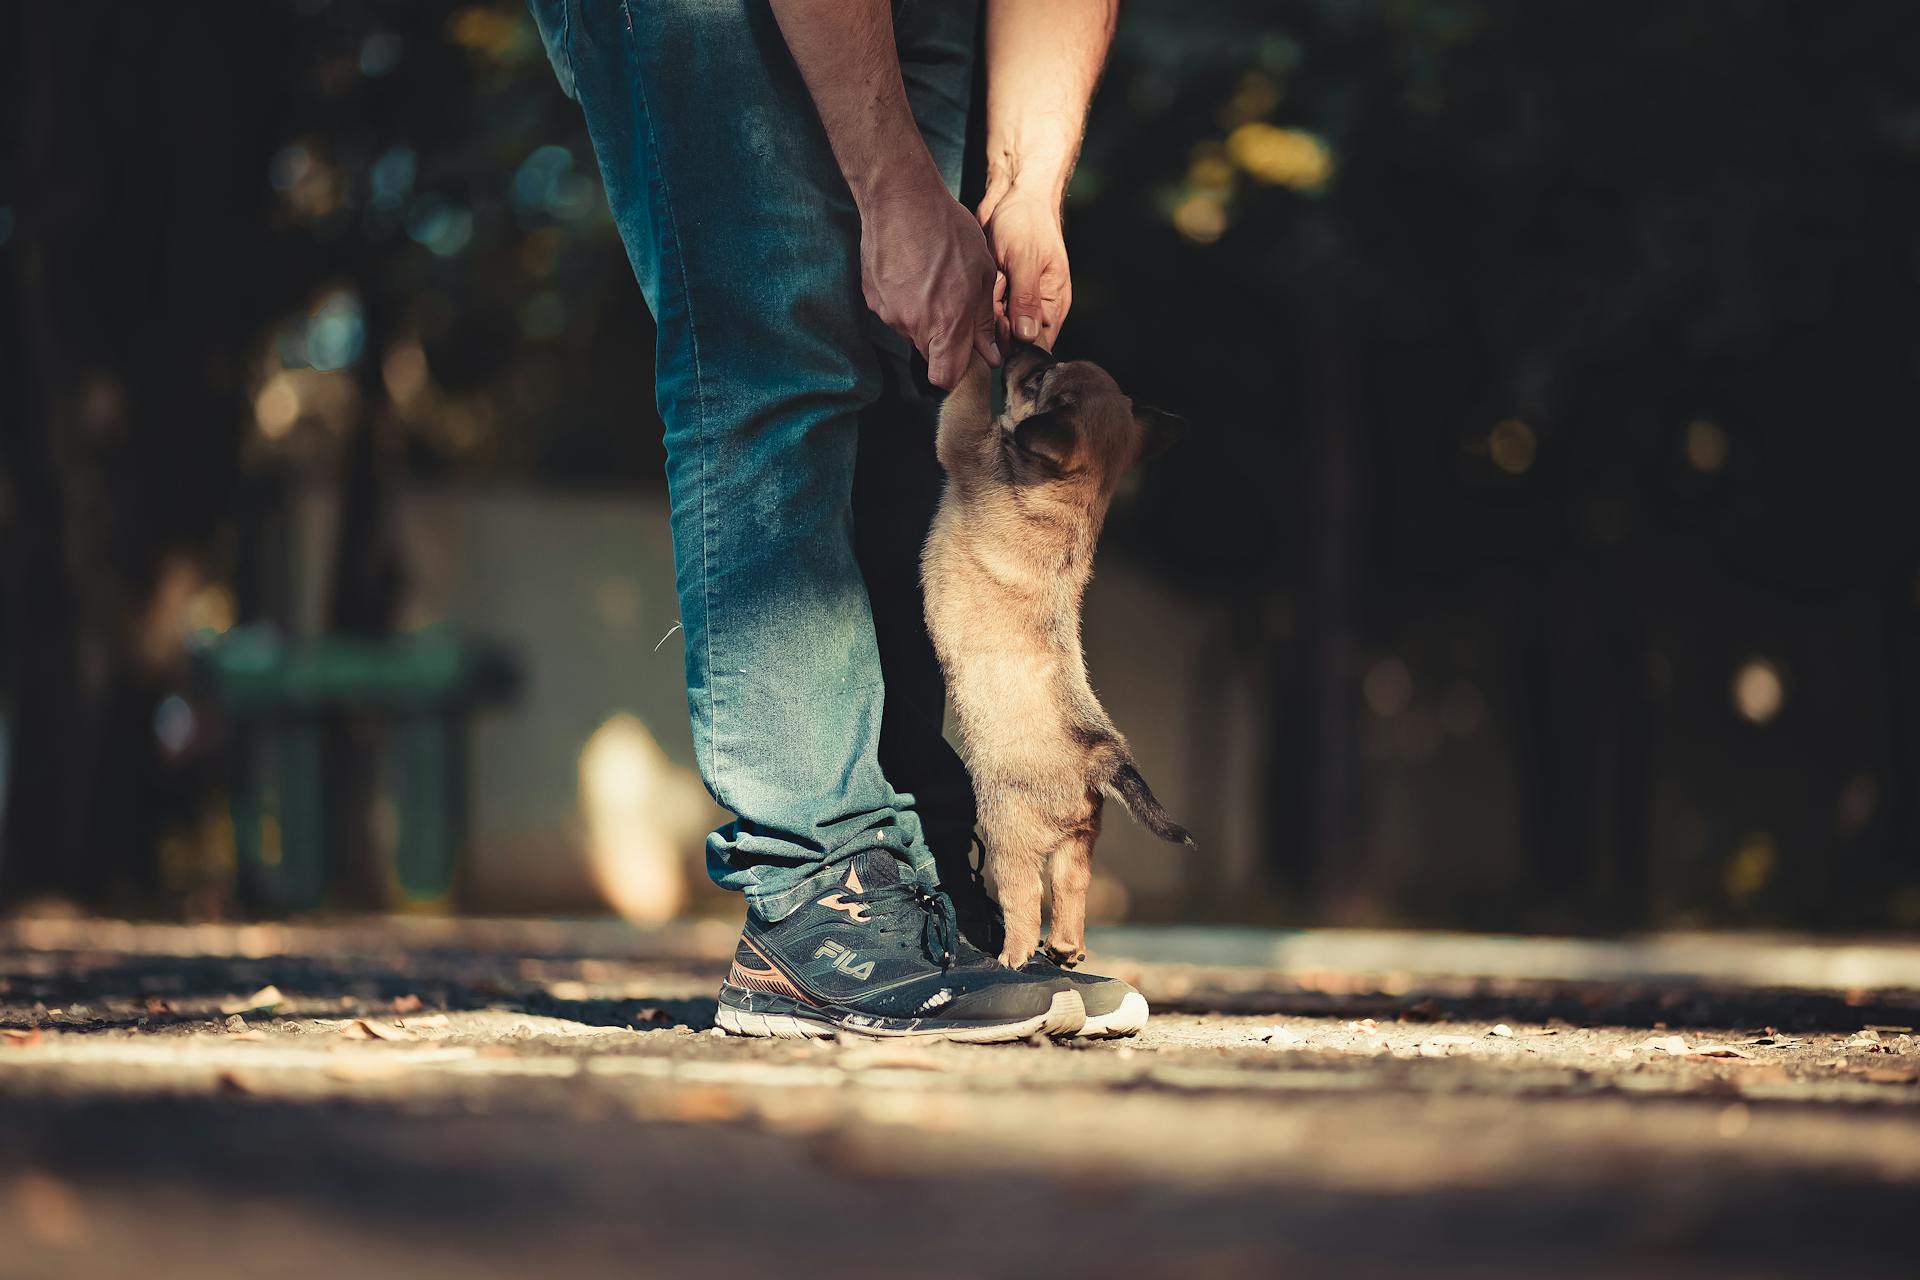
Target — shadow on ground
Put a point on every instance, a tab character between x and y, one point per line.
316	1188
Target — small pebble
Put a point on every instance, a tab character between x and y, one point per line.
236	1024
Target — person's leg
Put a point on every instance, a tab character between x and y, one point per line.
898	480
745	240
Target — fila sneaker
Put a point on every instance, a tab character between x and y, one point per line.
1113	1007
878	955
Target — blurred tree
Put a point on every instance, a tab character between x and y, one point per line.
126	332
1547	361
307	243
1450	279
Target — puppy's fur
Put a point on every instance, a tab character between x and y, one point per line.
1005	566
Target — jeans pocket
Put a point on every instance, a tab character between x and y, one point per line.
554	18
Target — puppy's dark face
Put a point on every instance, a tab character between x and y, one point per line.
1067	423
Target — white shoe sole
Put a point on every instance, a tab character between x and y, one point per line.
1065	1016
1130	1019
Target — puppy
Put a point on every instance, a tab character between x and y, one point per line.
1005	565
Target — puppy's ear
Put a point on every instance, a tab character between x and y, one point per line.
1160	429
1047	438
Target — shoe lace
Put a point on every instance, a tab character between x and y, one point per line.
981	909
939	928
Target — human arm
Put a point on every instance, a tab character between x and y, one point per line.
1043	61
924	265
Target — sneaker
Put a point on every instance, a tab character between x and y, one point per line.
1113	1008
877	955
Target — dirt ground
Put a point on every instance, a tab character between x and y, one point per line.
428	1099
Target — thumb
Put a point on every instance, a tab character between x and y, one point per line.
986	335
1023	297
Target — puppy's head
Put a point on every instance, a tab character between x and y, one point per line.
1068	424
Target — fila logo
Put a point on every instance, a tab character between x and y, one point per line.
855	911
843	960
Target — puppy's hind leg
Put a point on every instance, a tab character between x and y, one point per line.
1070	872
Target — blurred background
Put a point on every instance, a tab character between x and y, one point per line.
1543	555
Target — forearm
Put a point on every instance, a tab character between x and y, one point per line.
1043	61
846	55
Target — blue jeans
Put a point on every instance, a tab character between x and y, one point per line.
799	443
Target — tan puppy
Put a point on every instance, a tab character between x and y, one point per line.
1005	566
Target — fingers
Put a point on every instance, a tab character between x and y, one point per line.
1001	329
952	348
986	332
984	343
1036	300
1038	290
947	358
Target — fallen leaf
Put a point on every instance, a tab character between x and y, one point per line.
1717	1051
21	1039
406	1004
47	1209
368	1067
912	1057
1891	1075
265	998
706	1102
1771	1073
1869	1040
431	1021
374	1029
1504	1031
1666	1044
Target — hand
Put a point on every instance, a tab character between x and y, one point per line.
925	270
1034	291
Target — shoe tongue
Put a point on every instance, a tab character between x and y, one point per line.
872	868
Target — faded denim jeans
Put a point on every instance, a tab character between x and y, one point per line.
799	445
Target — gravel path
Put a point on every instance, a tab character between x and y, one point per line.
512	1100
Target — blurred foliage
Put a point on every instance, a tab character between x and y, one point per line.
1550	367
439	202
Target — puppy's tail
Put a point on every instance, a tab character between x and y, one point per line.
1127	786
